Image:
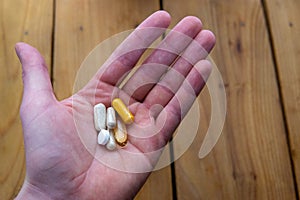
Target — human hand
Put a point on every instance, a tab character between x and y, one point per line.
63	160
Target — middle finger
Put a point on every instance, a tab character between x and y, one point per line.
157	63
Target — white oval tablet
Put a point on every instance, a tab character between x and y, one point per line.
103	137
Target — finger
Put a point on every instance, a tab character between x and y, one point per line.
129	52
170	117
162	92
37	94
36	80
157	63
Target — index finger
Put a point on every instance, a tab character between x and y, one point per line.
128	53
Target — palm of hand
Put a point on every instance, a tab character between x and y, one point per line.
57	153
62	156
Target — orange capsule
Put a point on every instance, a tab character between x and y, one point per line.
120	133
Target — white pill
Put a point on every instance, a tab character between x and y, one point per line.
103	137
99	116
111	145
111	118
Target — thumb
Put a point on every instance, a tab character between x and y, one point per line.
37	85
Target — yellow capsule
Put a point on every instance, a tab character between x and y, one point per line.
123	111
120	133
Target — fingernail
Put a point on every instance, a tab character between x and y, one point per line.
18	49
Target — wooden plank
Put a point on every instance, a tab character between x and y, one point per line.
159	184
285	29
251	159
77	33
29	21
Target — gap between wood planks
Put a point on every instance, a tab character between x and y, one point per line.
171	148
283	110
53	43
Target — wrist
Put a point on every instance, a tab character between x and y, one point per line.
29	191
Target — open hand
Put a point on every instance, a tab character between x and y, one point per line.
63	159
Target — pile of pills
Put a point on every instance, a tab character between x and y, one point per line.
112	126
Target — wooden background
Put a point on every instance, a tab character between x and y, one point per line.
257	52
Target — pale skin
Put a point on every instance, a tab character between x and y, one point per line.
58	165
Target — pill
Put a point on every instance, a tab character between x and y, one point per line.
123	111
120	133
99	116
111	145
111	118
103	137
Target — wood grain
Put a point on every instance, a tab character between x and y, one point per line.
77	33
31	22
251	159
285	29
